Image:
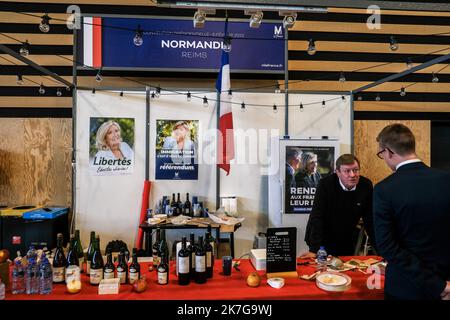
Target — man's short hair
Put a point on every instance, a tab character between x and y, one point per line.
398	138
293	153
346	159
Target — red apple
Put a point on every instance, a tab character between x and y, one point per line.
140	285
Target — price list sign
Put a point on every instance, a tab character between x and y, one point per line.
281	250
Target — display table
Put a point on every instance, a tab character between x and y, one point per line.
221	287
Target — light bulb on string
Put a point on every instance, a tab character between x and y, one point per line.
323	103
409	63
44	26
93	91
359	98
342	77
98	76
157	92
19	79
226	46
230	93
243	107
58	92
311	47
41	89
275	109
121	94
434	78
67	88
205	102
301	107
393	44
24	51
188	96
343	98
277	88
402	92
138	39
152	95
378	98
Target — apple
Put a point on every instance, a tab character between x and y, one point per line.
4	255
140	285
253	279
74	286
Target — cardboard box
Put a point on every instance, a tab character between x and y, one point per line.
258	259
109	286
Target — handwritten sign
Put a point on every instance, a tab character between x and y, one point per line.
281	250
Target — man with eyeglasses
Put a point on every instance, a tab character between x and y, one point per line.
341	200
412	220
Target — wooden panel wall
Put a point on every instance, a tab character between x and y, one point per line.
35	161
366	147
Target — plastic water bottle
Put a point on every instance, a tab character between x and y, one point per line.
31	254
322	259
18	278
2	290
45	276
31	277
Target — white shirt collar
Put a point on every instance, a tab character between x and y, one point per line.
407	162
344	187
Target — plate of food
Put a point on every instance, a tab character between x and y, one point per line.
331	281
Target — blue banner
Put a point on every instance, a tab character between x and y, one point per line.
176	44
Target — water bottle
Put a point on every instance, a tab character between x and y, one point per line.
322	259
31	277
2	290
45	276
18	278
32	253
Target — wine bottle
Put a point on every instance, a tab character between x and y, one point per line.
179	205
59	260
173	205
72	255
200	262
90	251
108	269
135	268
122	268
96	271
163	270
192	248
79	250
155	248
183	264
187	206
212	240
163	247
209	256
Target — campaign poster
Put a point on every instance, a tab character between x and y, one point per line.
176	150
304	167
111	146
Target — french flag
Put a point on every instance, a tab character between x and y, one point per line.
92	42
225	147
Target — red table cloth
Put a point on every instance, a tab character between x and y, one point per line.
221	287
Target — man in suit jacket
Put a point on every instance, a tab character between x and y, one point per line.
412	220
341	200
293	164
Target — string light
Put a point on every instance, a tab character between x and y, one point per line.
205	101
323	103
393	44
121	94
98	76
311	47
434	78
343	98
158	92
58	92
44	26
41	89
19	80
153	95
277	88
93	90
275	109
230	93
409	63
226	46
24	51
378	98
138	39
243	107
402	92
359	98
342	77
301	107
188	96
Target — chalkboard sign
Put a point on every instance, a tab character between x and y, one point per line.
281	250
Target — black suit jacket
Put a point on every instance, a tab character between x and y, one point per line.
336	213
412	231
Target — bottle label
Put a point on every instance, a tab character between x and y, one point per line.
133	276
122	275
187	211
88	267
108	274
96	276
208	259
72	273
200	263
162	277
183	264
58	274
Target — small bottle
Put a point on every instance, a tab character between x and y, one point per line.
183	264
192	248
209	256
18	276
322	259
89	253
200	262
31	277
122	268
108	270
2	290
187	207
45	276
135	268
59	261
31	253
155	248
96	270
163	270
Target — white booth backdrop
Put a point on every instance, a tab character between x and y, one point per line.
110	205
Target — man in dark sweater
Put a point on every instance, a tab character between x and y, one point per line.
341	200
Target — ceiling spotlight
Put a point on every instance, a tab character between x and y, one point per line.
44	26
434	78
275	109
289	19
226	46
393	44
58	92
24	49
256	19
402	92
138	39
41	89
199	19
205	102
188	96
98	76
311	47
19	80
342	77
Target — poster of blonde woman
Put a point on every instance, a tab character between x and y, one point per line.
176	150
111	146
